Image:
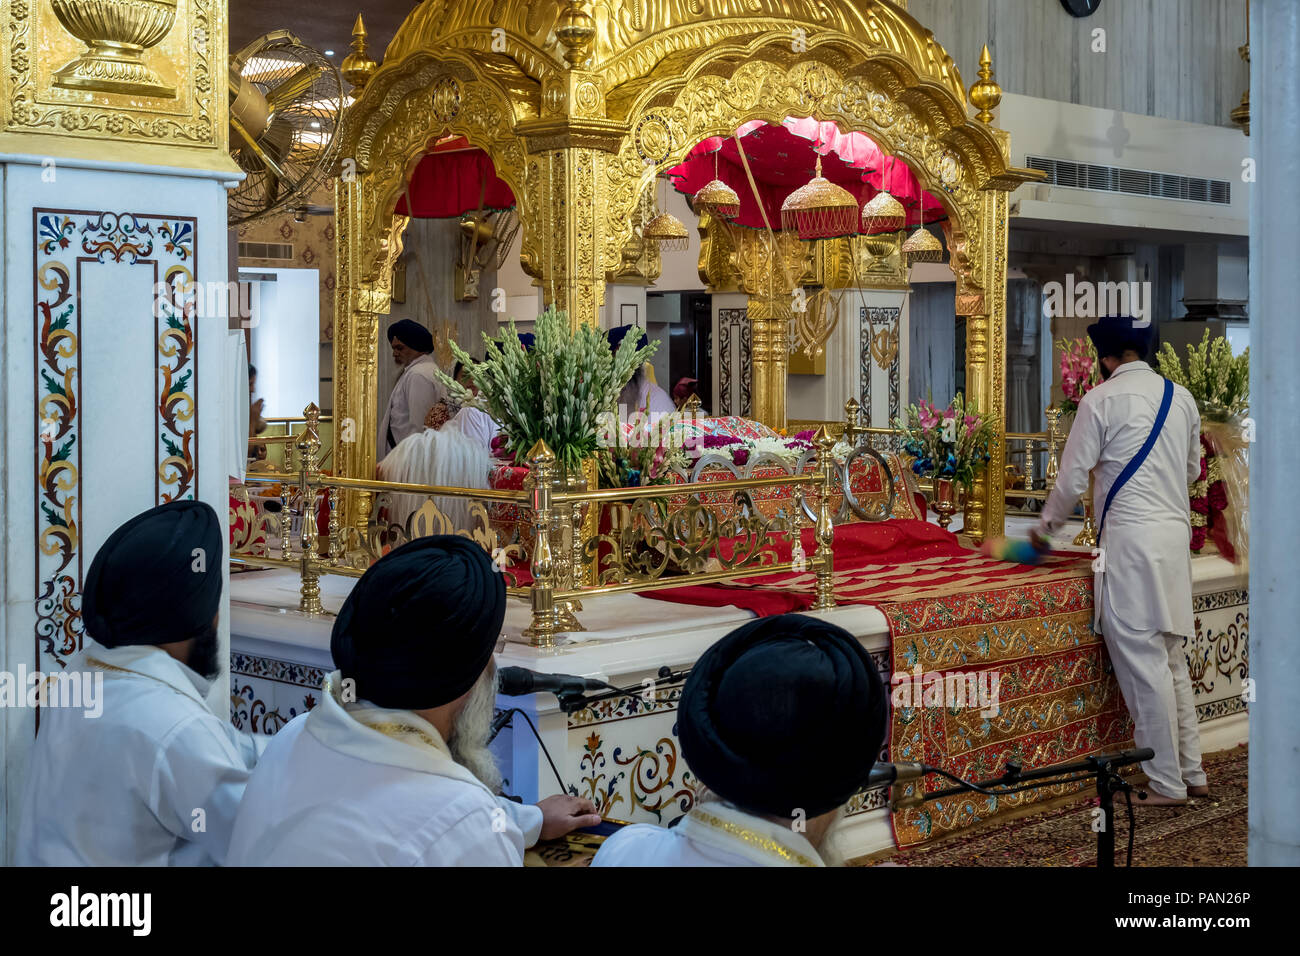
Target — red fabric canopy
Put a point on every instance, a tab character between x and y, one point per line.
448	182
783	158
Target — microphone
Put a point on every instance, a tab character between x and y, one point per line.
518	681
885	774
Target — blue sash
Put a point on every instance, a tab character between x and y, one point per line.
1131	468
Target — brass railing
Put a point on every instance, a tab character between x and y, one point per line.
582	540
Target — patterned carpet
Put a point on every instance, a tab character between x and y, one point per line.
1209	831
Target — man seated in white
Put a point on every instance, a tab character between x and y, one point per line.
640	394
155	778
392	767
782	721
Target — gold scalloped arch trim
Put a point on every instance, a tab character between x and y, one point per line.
632	36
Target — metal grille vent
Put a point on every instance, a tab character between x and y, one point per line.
280	251
1134	182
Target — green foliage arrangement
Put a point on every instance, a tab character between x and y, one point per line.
1218	381
553	392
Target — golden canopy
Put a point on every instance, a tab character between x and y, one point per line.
574	101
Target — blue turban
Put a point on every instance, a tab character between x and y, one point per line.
783	714
411	334
420	626
617	335
1113	334
157	579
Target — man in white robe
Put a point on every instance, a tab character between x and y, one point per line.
1143	581
417	388
782	721
392	767
151	776
640	395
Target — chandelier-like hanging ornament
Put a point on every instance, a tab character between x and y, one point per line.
820	209
883	213
669	231
717	198
922	245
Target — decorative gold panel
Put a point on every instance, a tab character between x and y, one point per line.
56	86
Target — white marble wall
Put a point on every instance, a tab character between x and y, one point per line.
112	370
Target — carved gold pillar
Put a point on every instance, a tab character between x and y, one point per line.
362	305
986	346
568	148
770	282
769	322
572	242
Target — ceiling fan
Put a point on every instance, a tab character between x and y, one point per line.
285	102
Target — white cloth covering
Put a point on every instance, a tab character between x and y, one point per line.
416	391
1147	576
475	424
354	784
1151	670
654	400
448	457
155	780
712	834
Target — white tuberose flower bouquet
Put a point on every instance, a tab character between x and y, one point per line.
553	391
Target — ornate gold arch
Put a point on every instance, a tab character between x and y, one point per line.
571	100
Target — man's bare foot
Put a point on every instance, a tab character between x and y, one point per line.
1203	791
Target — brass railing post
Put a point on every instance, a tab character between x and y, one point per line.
851	411
308	445
1053	437
541	633
824	557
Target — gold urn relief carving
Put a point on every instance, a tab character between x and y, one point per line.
116	34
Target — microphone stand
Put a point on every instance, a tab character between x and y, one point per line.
1103	767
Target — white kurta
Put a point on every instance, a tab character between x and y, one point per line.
333	790
416	391
1147	580
712	834
475	424
123	789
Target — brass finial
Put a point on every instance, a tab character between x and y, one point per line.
693	404
575	31
986	94
357	67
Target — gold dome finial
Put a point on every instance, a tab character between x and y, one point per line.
357	66
576	30
986	94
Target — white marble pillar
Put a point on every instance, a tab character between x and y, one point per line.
111	401
1274	144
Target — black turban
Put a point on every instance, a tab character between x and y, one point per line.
784	713
420	626
157	579
411	334
1113	334
617	335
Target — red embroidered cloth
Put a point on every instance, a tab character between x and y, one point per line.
958	620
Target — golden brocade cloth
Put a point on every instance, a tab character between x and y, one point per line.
1056	700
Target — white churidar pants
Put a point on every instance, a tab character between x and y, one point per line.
1151	670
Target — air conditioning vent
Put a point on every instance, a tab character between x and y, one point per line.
1134	182
280	251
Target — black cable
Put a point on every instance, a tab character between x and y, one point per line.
1132	823
540	743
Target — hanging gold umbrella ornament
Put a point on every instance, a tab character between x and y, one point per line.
667	230
883	213
820	209
717	198
922	245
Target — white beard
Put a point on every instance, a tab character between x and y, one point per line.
469	731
